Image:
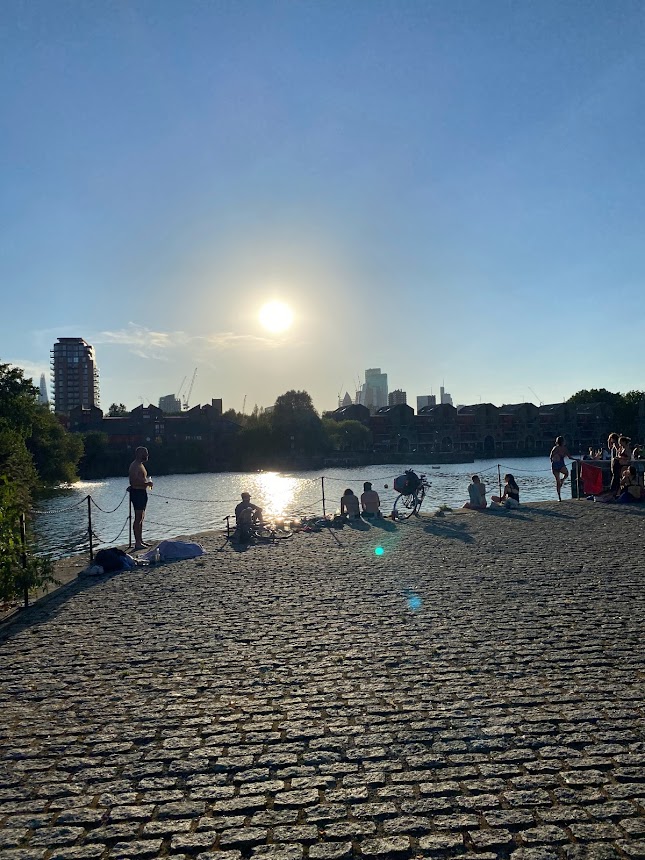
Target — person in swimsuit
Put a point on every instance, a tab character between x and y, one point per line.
510	498
558	467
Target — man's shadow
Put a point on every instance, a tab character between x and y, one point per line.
382	523
358	524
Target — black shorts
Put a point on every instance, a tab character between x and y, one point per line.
138	499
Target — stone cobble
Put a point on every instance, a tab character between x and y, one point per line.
474	691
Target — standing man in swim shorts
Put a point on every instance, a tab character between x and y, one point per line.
138	490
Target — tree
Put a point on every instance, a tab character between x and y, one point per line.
117	410
624	407
348	435
297	425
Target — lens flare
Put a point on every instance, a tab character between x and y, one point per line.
378	550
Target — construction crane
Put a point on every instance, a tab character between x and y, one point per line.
244	404
190	389
181	387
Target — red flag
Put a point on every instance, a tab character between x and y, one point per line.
591	480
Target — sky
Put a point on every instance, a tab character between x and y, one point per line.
451	191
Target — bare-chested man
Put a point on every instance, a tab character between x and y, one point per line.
138	488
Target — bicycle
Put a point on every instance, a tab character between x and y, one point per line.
256	532
412	489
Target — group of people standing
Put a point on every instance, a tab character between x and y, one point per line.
625	485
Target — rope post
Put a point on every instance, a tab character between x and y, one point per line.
129	524
499	479
89	527
322	481
23	556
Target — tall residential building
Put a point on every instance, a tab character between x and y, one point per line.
170	403
397	396
426	400
75	376
43	396
444	396
373	393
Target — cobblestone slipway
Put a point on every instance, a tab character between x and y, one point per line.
476	691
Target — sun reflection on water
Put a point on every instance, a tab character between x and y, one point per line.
275	494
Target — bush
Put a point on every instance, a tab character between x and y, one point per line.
17	571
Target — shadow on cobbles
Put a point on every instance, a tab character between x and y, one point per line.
556	515
50	604
358	525
451	530
385	525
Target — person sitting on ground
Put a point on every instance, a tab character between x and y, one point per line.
476	494
246	515
510	498
631	490
558	467
349	505
370	502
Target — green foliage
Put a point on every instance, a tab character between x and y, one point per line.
39	451
347	435
117	410
19	569
55	452
297	426
624	407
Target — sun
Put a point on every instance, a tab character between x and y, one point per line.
276	317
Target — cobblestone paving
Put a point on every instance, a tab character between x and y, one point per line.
476	691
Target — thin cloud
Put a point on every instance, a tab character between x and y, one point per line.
31	370
146	343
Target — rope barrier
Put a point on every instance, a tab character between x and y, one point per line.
96	505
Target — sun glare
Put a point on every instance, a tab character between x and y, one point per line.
276	317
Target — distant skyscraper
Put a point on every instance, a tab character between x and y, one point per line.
426	400
397	396
373	393
170	403
43	396
347	400
75	376
444	396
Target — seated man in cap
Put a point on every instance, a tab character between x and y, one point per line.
370	502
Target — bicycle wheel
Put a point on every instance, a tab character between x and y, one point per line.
404	507
263	533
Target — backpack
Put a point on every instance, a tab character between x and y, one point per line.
112	559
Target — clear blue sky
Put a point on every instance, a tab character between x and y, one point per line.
447	190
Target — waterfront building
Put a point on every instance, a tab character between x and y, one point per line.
170	403
397	396
426	400
74	374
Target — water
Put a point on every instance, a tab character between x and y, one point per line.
186	504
